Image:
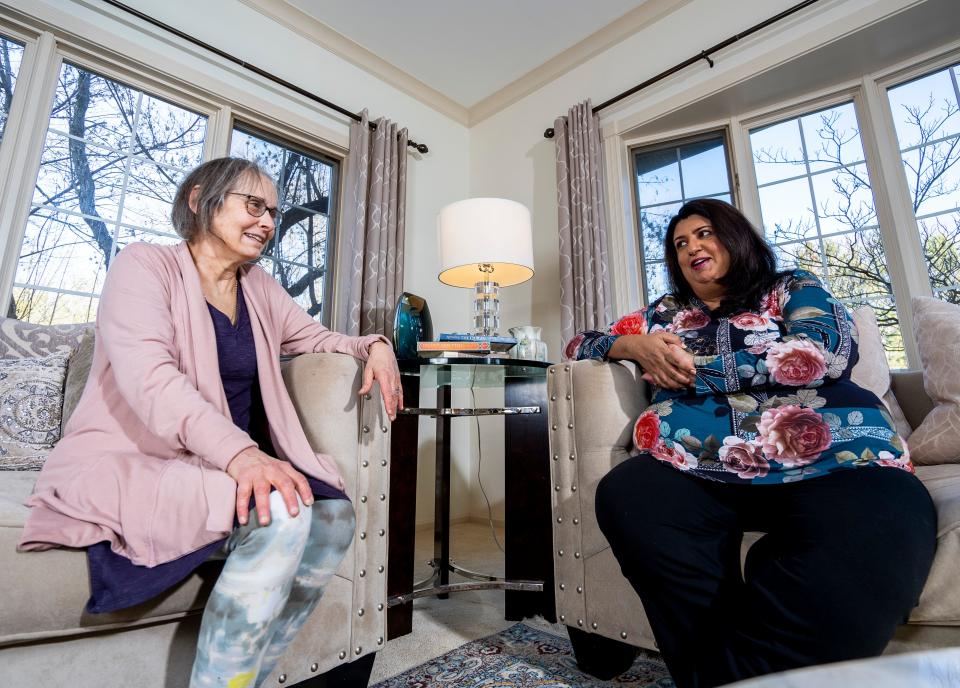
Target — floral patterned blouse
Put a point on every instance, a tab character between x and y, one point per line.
773	401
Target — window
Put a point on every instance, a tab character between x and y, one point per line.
11	54
667	177
926	114
111	162
299	255
818	210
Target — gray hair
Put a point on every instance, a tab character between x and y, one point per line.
215	178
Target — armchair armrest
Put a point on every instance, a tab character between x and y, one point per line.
592	411
355	431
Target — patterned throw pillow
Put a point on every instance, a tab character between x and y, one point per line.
871	371
20	339
937	327
31	400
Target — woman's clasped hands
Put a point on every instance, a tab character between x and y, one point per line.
665	361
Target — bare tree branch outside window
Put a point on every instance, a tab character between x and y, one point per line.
818	207
110	166
298	254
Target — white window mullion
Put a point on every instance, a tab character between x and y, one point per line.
898	226
623	241
24	137
745	179
219	128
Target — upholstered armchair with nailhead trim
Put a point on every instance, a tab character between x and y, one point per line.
593	406
46	638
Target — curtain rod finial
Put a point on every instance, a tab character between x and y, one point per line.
548	133
420	147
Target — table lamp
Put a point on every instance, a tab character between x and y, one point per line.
485	244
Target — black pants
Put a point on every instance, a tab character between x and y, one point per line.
841	565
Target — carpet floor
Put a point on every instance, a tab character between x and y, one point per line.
522	657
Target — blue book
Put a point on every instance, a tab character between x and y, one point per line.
461	337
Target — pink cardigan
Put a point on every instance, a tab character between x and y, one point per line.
143	460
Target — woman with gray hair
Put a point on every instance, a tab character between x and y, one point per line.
185	424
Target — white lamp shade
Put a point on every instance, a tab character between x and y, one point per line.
491	231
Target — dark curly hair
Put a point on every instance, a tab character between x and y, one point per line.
753	266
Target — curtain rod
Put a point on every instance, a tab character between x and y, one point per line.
421	147
702	55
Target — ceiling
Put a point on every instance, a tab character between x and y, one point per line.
475	48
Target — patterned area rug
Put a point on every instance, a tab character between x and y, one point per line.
522	657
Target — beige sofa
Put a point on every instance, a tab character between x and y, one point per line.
46	637
592	409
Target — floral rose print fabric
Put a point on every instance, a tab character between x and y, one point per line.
773	401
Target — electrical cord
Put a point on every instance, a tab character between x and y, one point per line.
473	395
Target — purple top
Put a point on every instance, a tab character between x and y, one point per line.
116	582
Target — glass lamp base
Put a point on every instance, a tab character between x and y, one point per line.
486	309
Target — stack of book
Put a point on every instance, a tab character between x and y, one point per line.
456	345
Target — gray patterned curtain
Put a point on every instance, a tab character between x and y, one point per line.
370	272
584	283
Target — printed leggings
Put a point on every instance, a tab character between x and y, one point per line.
271	581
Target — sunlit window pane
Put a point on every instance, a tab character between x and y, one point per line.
11	54
819	214
787	210
777	152
666	178
54	307
111	161
301	249
658	279
658	177
832	138
926	112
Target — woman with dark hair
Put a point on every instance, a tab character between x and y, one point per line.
755	425
185	427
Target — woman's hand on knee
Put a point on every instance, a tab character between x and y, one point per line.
255	473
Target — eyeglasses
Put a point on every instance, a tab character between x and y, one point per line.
256	206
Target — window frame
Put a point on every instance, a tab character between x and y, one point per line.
673	143
898	227
333	210
222	101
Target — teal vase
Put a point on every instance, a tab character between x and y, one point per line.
411	324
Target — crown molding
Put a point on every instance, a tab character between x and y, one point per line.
633	21
316	31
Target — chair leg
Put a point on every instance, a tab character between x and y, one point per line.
600	657
355	674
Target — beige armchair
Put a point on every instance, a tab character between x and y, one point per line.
592	409
47	639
